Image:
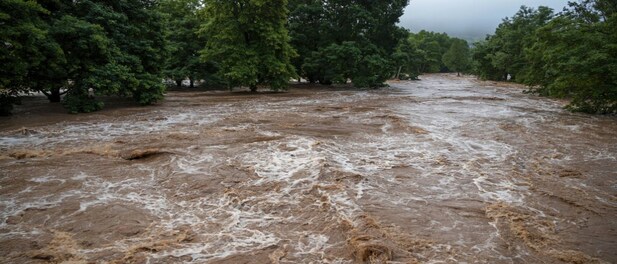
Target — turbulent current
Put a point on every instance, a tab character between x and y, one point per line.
442	170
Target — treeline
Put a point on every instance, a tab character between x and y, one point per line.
430	52
78	51
570	54
77	47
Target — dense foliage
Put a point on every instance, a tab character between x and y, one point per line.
341	40
78	51
504	52
457	58
568	55
430	52
249	41
79	48
22	36
184	43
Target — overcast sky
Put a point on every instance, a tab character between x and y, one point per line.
469	19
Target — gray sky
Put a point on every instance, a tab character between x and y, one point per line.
469	19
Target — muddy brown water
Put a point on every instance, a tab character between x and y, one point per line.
442	170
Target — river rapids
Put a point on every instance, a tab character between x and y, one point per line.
442	170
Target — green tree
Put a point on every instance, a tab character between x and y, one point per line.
427	52
75	48
184	42
306	25
341	39
409	58
482	61
568	55
22	34
249	42
433	46
504	52
136	29
457	57
574	57
121	54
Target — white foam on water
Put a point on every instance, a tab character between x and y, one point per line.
48	178
315	244
192	164
459	158
78	133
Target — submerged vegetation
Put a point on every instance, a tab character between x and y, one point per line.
571	54
60	47
77	51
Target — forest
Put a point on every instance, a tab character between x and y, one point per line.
75	52
570	54
308	131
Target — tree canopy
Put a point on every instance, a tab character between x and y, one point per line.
340	40
457	57
184	43
79	51
567	55
425	52
249	41
23	36
57	47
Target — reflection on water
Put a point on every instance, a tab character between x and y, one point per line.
442	170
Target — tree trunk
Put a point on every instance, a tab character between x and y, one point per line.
253	88
179	83
458	74
398	73
54	96
192	83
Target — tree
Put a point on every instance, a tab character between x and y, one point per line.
433	46
409	58
341	39
306	24
184	42
568	55
75	49
114	48
249	41
482	61
426	52
504	52
136	30
457	57
574	57
22	33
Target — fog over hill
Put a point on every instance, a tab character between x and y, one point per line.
467	19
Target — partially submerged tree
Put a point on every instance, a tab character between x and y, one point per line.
22	35
434	45
574	56
568	55
340	40
457	57
503	53
72	47
182	24
249	42
408	57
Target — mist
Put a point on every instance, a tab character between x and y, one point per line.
467	19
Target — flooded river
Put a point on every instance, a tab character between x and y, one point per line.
442	170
